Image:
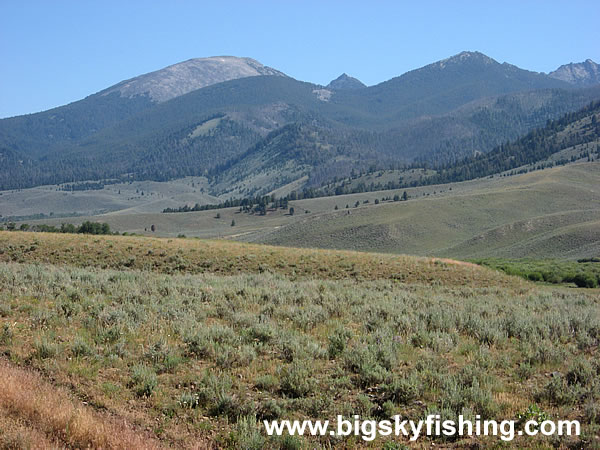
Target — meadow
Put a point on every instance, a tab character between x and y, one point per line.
110	340
550	213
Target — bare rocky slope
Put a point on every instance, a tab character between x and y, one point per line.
187	76
586	73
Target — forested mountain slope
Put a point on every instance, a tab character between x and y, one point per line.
437	114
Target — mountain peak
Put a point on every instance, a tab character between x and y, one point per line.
346	82
466	56
187	76
585	73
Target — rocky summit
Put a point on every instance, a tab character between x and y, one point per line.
187	76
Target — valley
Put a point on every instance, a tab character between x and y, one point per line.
548	213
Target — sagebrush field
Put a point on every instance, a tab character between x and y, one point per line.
111	341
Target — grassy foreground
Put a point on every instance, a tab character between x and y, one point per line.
191	344
228	258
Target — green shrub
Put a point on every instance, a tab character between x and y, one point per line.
585	280
338	341
189	400
81	348
247	435
591	412
558	392
228	357
267	382
581	372
270	409
552	277
533	412
296	380
202	343
6	334
45	349
162	357
362	361
364	406
524	371
216	393
420	339
289	442
107	335
5	310
535	276
403	390
143	380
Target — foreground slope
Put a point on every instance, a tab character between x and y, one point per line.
158	352
226	257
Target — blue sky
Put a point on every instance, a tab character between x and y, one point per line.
55	52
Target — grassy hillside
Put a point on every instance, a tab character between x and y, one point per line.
225	257
185	343
546	213
134	197
551	213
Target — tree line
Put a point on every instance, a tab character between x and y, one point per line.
86	227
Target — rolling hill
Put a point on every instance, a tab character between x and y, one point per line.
113	341
549	213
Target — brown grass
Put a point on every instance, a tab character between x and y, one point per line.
17	433
25	396
230	258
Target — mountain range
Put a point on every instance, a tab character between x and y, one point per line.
252	129
586	73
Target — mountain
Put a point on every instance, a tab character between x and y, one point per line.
52	134
345	82
187	76
253	125
586	73
321	154
35	135
541	201
448	84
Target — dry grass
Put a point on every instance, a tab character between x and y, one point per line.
230	258
16	433
56	418
200	359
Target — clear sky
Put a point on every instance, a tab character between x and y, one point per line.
54	52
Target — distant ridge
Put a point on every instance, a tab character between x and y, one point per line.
346	82
253	129
585	73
